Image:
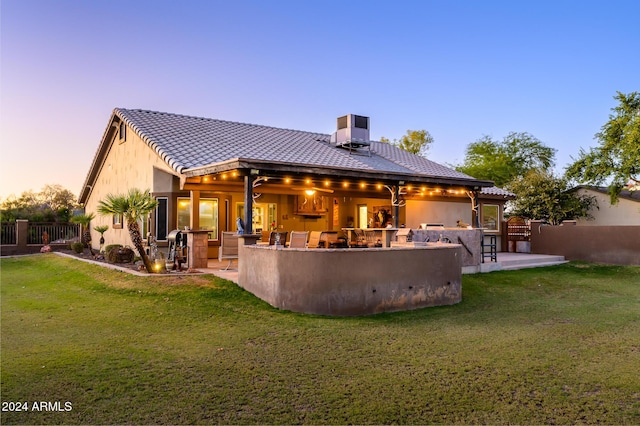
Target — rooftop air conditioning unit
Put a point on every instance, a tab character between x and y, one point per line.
352	132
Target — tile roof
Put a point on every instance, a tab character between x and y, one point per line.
187	142
494	192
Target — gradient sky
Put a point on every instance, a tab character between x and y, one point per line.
459	69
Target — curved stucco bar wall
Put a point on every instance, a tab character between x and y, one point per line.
349	282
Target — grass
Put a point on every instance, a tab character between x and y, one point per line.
549	345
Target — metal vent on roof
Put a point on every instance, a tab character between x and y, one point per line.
352	133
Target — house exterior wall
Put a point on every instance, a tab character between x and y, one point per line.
128	164
625	213
445	212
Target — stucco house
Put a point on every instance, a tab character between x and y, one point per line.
625	213
207	173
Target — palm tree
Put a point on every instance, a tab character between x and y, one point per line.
133	207
101	229
85	233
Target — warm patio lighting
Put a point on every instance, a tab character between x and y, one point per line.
309	192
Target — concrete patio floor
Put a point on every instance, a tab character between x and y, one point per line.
506	261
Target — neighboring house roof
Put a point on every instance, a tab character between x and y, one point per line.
624	194
495	192
194	146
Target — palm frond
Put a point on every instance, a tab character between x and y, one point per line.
133	206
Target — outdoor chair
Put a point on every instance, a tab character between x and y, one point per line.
372	239
280	237
228	248
314	239
298	239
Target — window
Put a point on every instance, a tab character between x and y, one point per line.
117	221
208	215
143	223
491	217
260	221
162	219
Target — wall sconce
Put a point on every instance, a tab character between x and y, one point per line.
309	192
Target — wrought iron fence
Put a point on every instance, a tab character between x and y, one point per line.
56	232
8	233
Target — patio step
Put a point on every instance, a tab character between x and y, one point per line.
531	261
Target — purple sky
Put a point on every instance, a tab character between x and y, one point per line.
459	69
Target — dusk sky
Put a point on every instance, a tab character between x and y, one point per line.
459	69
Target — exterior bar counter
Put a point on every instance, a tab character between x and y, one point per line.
352	281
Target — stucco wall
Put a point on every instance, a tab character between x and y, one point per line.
128	164
617	245
347	282
443	212
625	213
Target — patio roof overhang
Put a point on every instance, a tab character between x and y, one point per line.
265	168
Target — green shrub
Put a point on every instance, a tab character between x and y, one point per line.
77	247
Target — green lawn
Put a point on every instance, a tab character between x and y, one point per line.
550	345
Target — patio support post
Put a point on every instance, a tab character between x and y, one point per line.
396	208
248	204
476	208
195	210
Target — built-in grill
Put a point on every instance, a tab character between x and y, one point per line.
177	248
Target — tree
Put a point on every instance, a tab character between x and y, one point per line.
52	203
512	158
415	141
85	235
543	196
617	158
56	197
133	207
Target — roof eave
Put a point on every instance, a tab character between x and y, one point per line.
99	157
265	166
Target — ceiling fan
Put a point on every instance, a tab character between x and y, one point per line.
312	188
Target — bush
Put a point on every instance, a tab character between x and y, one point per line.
108	248
110	254
77	247
115	253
